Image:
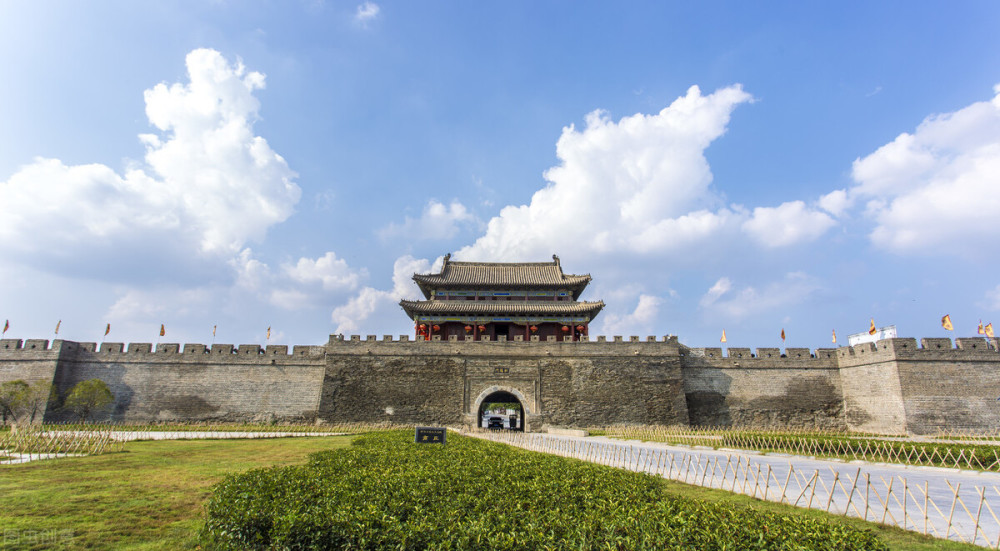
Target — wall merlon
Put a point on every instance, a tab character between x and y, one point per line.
249	350
223	349
276	350
168	348
195	348
36	344
140	347
738	353
974	343
935	344
10	344
768	352
112	348
308	350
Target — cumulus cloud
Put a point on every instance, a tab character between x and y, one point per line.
208	184
297	285
787	224
366	12
726	302
935	189
638	321
638	184
438	221
332	272
351	317
641	185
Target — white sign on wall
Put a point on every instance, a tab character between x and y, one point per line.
881	333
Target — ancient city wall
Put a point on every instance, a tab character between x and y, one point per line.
893	386
799	389
558	383
169	383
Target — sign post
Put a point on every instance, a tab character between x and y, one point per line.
430	435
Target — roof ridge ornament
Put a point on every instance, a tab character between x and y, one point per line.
556	259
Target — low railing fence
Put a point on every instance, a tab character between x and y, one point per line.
933	506
954	454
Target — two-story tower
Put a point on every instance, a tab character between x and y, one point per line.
488	300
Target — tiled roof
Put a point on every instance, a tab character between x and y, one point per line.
498	275
491	307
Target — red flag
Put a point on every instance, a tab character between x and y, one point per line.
163	330
723	339
6	326
872	330
107	330
213	330
782	334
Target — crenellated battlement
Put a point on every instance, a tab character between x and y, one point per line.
533	340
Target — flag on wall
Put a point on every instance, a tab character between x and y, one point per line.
871	328
989	330
268	332
834	336
163	330
213	330
57	326
107	330
946	323
723	339
6	326
981	331
782	334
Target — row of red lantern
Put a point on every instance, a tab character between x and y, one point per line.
422	329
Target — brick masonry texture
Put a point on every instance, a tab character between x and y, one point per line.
893	386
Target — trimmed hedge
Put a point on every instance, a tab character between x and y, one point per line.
387	493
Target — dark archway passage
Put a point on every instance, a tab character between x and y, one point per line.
501	410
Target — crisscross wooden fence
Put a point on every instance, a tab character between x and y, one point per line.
957	454
928	503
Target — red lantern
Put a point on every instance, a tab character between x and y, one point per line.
565	328
533	328
482	328
579	328
436	328
422	327
468	328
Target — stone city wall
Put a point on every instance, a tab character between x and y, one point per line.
893	386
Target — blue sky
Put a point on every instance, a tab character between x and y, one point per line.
720	165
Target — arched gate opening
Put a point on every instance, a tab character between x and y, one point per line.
501	410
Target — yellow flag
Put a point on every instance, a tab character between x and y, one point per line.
6	326
268	332
782	333
989	330
981	331
723	339
107	330
871	329
163	330
213	330
57	326
834	336
946	323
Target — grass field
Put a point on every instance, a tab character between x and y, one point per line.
152	495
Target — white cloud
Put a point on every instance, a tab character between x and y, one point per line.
207	187
835	202
366	12
639	184
935	189
351	317
721	287
786	224
727	303
333	273
438	221
993	298
638	321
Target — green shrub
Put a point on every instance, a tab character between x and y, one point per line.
387	493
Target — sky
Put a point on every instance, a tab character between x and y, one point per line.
238	166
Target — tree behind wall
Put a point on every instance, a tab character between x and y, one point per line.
88	397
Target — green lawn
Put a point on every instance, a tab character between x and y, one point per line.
152	495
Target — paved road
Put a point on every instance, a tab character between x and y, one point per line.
959	505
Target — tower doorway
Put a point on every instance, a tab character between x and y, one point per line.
501	410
